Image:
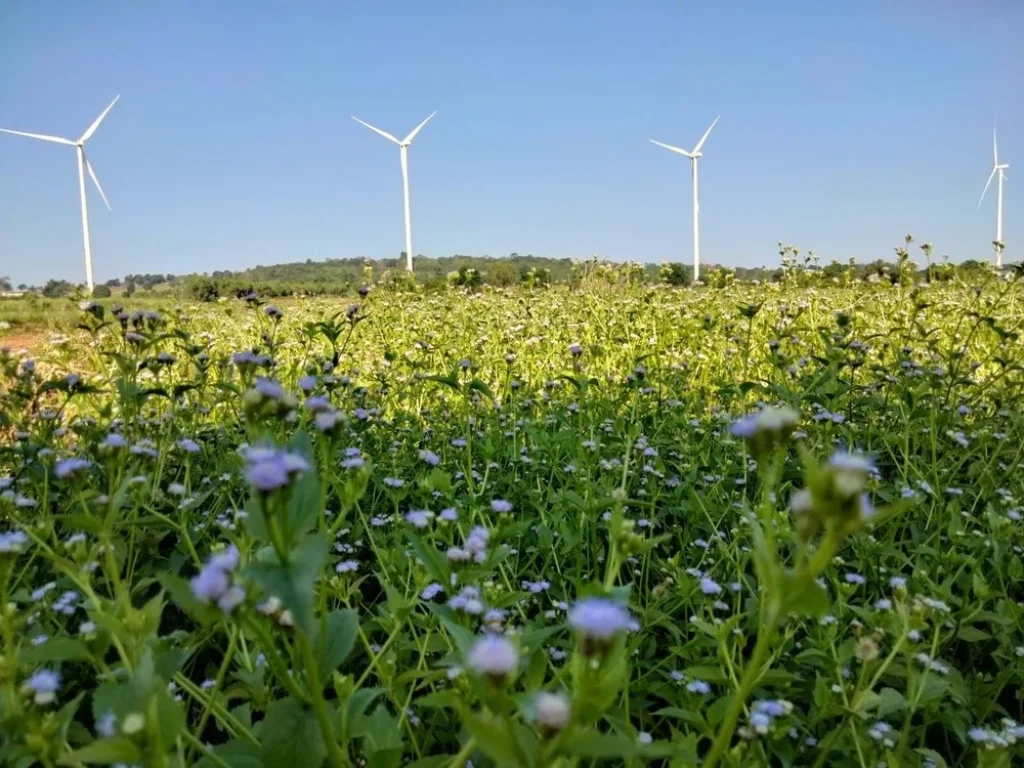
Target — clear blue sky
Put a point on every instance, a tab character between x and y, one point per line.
844	126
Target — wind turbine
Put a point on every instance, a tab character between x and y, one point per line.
403	148
83	166
694	156
996	169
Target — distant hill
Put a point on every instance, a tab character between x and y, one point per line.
336	272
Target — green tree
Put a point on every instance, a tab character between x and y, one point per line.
101	292
54	289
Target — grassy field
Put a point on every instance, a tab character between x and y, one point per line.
758	525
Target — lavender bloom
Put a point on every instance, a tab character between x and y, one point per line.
552	711
468	600
327	420
188	446
269	469
67	467
44	683
709	587
429	457
213	583
418	518
597	618
494	656
431	591
13	542
501	506
318	403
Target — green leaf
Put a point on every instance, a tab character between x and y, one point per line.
463	637
335	640
430	557
293	584
170	716
493	739
476	385
182	595
805	599
591	743
105	752
291	736
381	731
890	701
447	699
683	714
357	704
237	754
304	505
972	634
56	649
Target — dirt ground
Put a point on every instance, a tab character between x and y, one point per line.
30	340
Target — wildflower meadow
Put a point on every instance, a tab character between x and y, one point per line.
732	525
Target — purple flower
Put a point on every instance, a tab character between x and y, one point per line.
66	467
13	542
493	655
214	582
114	440
44	683
269	469
418	518
709	587
501	506
188	446
431	591
597	618
268	475
430	457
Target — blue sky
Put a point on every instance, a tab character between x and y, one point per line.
844	126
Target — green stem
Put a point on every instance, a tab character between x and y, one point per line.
334	754
751	675
460	759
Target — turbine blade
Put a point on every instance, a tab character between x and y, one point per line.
670	148
92	175
418	128
96	124
704	137
385	134
995	150
56	139
987	183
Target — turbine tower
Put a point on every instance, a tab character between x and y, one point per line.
694	156
83	166
403	148
997	169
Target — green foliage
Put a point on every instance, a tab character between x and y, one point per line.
312	532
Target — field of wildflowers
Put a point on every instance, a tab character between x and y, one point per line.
752	525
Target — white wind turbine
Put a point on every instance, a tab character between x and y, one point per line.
694	157
403	147
83	166
997	169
